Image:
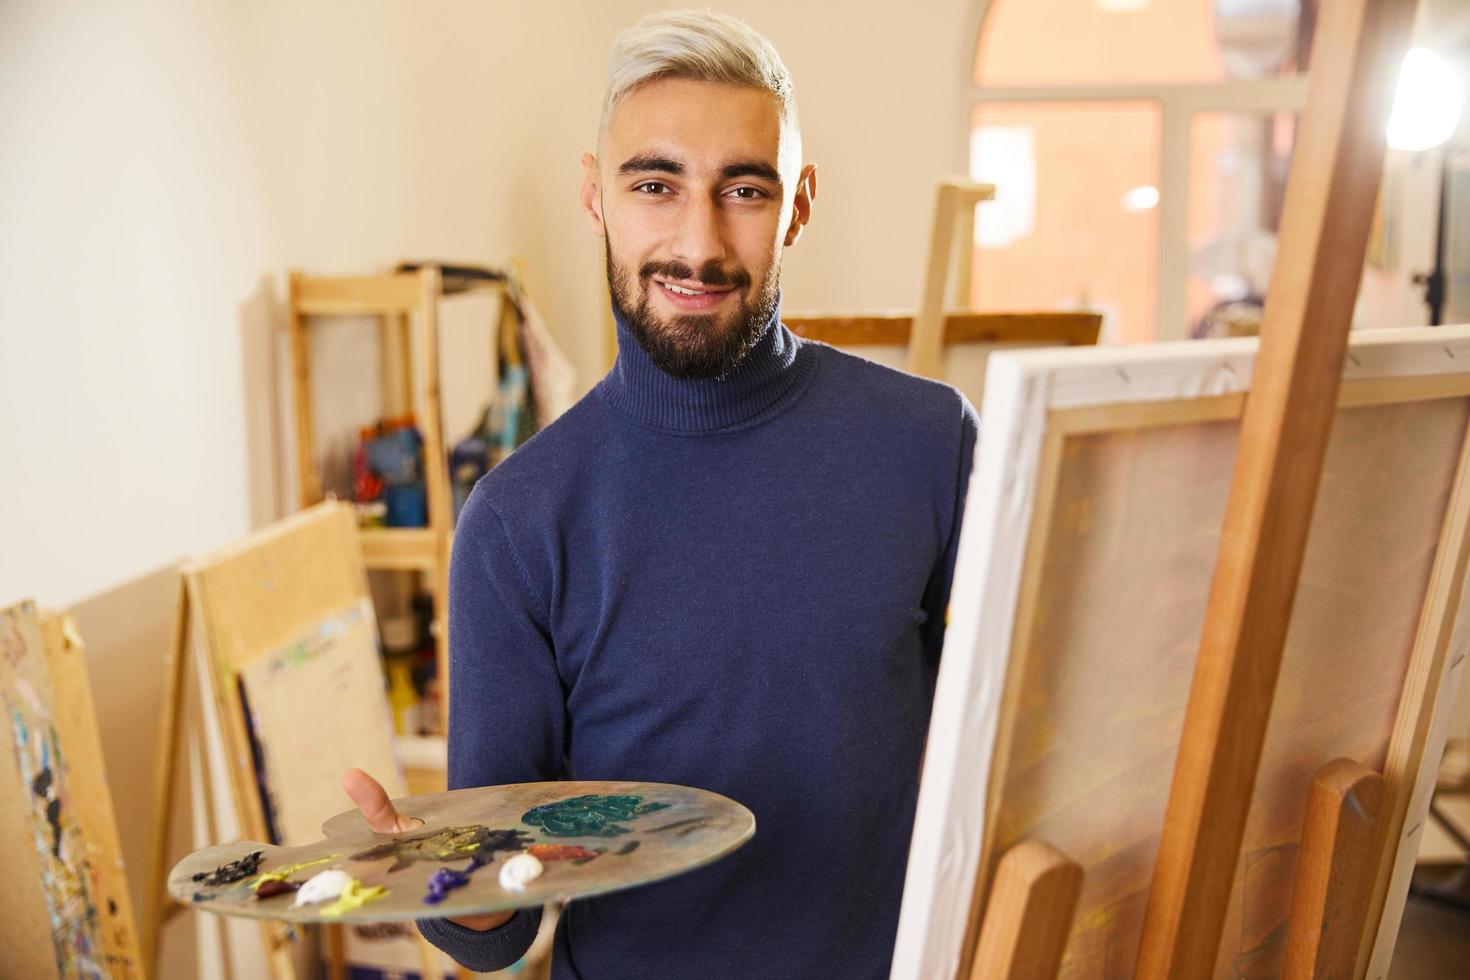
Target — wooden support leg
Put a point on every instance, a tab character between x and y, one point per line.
537	961
1334	872
336	937
926	341
157	905
277	940
428	960
1029	915
308	483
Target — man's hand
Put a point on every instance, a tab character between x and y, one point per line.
372	800
383	817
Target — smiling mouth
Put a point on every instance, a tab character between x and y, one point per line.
681	290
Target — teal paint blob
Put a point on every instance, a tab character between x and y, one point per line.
589	816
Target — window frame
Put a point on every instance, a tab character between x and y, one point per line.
1178	105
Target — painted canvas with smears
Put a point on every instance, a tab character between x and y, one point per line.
50	832
316	706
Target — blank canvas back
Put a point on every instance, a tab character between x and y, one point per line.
1089	739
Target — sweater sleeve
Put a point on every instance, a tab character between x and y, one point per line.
936	596
507	708
488	950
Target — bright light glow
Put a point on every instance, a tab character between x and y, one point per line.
1006	157
1121	6
1426	108
1141	199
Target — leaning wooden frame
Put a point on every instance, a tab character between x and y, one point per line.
1085	560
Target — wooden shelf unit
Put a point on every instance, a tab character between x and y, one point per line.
403	548
406	305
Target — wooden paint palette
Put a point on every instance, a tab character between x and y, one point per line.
590	837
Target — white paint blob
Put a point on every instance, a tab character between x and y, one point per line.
322	887
515	873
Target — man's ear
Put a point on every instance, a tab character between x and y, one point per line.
592	195
801	204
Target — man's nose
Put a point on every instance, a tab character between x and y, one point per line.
699	238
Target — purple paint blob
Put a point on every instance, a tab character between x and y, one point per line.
446	880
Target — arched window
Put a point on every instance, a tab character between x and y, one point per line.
1140	151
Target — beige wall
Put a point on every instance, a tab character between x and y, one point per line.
164	164
132	229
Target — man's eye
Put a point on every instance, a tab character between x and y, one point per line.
748	193
652	187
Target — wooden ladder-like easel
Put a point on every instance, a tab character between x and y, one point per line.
1342	882
927	332
239	604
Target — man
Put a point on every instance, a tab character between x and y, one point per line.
726	567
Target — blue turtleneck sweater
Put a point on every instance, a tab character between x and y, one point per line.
738	585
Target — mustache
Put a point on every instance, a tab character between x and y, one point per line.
710	274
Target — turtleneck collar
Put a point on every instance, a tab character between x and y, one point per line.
770	372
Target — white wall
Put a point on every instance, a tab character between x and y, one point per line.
130	228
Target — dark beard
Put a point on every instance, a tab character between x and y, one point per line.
692	346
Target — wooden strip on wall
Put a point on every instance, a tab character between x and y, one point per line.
893	329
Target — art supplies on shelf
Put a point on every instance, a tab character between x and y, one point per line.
388	469
411	668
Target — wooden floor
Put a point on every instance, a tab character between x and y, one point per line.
1434	942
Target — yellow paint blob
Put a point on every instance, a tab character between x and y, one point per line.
354	896
281	874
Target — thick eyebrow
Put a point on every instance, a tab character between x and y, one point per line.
751	168
651	164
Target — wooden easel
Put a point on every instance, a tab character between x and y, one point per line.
926	333
248	600
1352	826
954	220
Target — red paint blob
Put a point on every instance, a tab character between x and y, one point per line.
269	889
561	852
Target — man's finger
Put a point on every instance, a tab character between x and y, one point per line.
373	801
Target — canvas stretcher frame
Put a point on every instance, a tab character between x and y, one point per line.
1034	401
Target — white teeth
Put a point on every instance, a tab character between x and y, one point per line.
681	290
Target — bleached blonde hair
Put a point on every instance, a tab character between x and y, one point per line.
704	45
